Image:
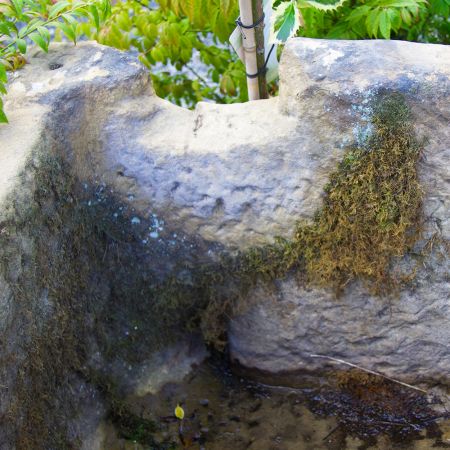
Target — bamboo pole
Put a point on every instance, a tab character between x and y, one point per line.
249	44
258	11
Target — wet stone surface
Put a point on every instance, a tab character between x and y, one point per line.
223	411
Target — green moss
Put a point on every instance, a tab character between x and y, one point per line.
43	234
372	208
127	424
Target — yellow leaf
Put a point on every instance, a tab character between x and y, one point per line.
179	412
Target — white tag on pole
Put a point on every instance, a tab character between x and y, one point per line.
237	44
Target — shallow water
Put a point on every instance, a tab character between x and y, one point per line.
223	411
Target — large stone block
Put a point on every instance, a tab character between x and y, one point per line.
328	86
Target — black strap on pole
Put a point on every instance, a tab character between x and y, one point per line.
263	69
249	27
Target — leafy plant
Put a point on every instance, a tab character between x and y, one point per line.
341	19
183	43
25	21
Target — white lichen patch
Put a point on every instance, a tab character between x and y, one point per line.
331	57
95	72
97	57
312	44
17	88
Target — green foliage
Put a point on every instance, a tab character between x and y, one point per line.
171	38
432	24
25	21
358	19
285	23
179	33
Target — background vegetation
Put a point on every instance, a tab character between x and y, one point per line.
185	42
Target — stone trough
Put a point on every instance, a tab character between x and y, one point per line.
106	190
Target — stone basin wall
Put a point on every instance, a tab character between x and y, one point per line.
107	190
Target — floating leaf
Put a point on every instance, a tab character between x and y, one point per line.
179	412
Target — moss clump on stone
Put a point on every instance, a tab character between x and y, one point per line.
128	425
372	207
44	235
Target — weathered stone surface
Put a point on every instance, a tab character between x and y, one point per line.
329	85
64	317
154	187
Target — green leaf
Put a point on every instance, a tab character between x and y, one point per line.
406	16
189	8
57	8
68	31
3	118
227	86
285	23
385	24
372	22
394	16
105	9
21	45
95	16
39	40
70	20
44	33
5	29
3	76
357	14
400	3
226	8
322	6
157	54
18	6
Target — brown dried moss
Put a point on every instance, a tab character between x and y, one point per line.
372	208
